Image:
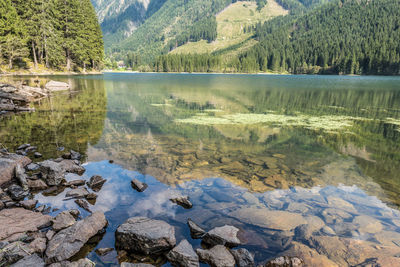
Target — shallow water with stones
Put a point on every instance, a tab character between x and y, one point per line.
263	153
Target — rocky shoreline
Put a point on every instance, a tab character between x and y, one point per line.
18	98
31	237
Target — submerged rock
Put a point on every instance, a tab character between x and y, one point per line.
138	185
31	260
183	255
196	231
145	235
225	235
69	241
63	220
83	204
243	257
217	256
273	219
182	201
75	183
56	86
285	261
16	221
96	182
103	251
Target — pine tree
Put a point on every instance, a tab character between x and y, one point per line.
12	33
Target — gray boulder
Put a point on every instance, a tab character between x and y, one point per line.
80	263
71	166
29	204
77	193
183	255
16	192
8	162
196	231
52	172
63	220
69	241
225	235
21	176
217	256
145	235
243	257
182	201
31	260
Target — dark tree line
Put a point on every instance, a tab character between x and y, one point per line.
55	33
187	63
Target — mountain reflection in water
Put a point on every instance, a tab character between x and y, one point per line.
303	165
341	223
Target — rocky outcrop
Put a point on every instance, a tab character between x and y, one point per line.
14	99
144	235
225	235
80	263
183	255
217	256
69	241
127	264
17	221
8	162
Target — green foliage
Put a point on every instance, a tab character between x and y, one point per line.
187	63
343	37
51	33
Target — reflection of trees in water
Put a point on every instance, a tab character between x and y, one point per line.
71	119
376	139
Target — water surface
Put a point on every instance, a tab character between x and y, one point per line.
264	153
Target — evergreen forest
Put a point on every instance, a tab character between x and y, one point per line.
50	34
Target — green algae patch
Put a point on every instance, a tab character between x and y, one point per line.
326	123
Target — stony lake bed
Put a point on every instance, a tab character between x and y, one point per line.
219	169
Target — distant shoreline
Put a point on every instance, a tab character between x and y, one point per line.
50	73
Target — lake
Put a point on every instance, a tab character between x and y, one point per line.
265	153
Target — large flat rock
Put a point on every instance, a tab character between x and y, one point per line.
17	221
272	219
69	241
8	162
145	235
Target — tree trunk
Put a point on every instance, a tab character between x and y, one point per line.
68	60
84	67
10	63
34	54
45	51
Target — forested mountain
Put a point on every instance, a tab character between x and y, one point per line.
57	34
120	18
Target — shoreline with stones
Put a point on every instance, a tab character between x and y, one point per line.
31	237
17	98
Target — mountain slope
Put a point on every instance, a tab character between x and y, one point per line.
345	36
120	18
